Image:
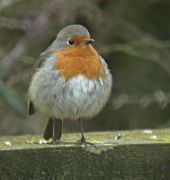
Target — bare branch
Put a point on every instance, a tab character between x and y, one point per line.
40	23
20	77
161	98
146	48
12	23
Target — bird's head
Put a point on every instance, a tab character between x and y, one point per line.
72	36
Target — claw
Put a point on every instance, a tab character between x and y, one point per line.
83	141
55	141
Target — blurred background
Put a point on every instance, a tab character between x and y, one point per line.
133	36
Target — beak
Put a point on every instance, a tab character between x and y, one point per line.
89	41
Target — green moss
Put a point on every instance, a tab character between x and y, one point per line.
161	139
98	138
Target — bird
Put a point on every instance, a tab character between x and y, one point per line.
71	81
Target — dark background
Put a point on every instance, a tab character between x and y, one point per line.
133	36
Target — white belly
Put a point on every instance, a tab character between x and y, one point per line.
78	97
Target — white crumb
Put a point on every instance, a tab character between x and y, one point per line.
42	141
154	137
8	143
118	136
147	131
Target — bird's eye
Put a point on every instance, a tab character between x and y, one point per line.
70	41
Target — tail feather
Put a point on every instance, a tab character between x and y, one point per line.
31	109
53	129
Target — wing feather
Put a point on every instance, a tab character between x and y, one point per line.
38	63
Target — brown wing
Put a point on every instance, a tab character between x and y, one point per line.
38	62
41	58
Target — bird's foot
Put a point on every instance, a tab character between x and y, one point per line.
83	141
54	141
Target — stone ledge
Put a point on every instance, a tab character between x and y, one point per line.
137	155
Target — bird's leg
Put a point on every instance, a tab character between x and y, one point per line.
82	133
53	132
83	139
54	139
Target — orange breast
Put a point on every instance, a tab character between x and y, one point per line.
79	60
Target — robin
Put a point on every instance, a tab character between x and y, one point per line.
72	81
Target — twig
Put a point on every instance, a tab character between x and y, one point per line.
147	48
159	97
12	23
20	77
40	23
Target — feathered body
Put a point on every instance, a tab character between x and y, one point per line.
72	82
73	98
